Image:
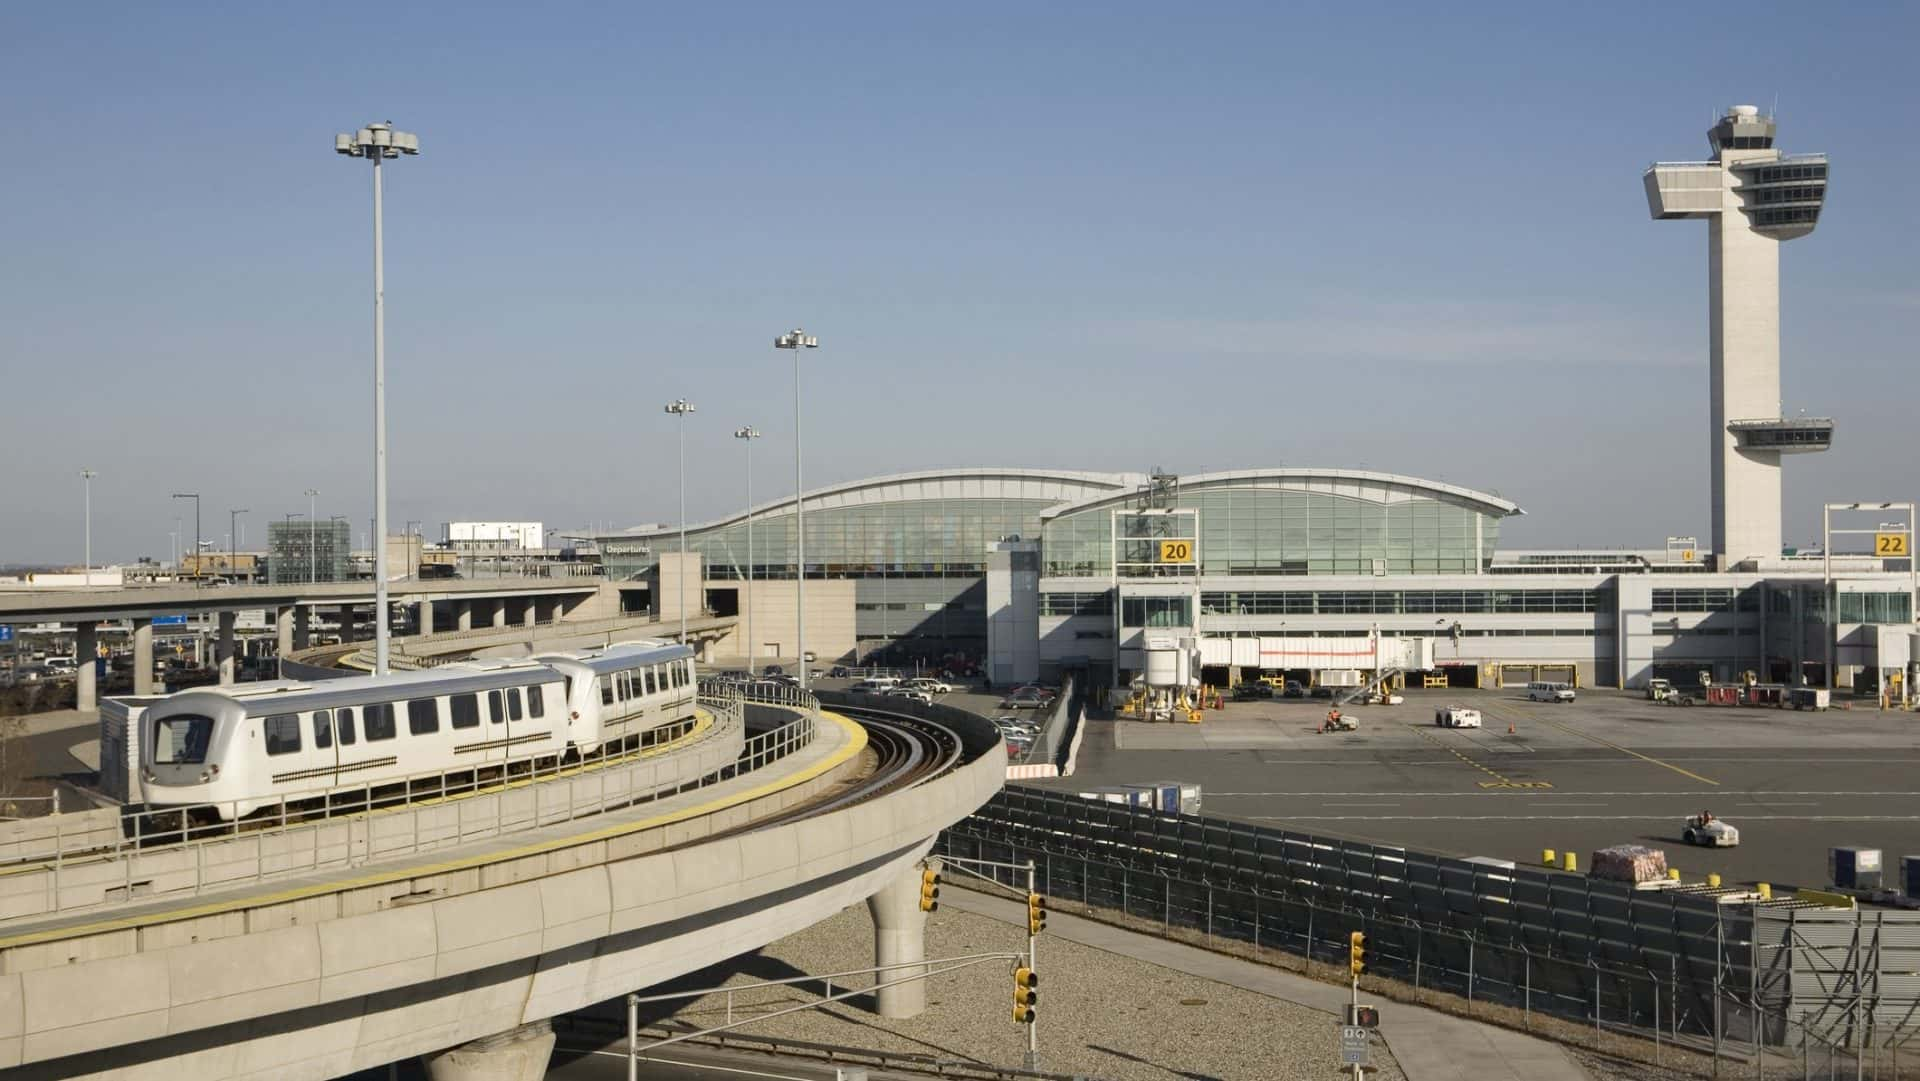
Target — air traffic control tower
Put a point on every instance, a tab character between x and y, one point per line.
1753	197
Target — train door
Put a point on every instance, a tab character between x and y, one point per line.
326	749
499	729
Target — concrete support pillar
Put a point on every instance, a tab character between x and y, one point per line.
223	648
426	617
899	936
463	615
518	1055
143	656
86	642
283	628
529	611
302	616
348	632
499	611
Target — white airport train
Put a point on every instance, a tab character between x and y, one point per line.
242	747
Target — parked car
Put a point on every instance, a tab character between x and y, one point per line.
912	693
930	685
1322	692
1024	698
1248	692
773	670
1295	689
838	671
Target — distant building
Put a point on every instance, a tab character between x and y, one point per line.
492	537
309	551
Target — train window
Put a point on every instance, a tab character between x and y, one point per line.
513	704
343	725
380	721
606	691
322	729
423	716
283	733
536	702
494	709
182	741
465	709
653	681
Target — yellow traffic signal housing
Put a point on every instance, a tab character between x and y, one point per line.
929	889
1357	953
1036	913
1024	995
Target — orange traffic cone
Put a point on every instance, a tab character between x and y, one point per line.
1509	728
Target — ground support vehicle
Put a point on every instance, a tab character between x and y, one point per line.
1456	717
1710	832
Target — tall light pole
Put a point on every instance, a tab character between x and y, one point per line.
197	554
313	537
747	436
86	482
233	540
796	340
378	142
680	407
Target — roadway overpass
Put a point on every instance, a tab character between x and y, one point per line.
491	607
455	927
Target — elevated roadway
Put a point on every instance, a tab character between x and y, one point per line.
453	928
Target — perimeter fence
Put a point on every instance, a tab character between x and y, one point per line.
1664	975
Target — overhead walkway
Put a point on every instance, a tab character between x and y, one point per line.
331	946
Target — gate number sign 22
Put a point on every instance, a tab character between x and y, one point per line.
1884	544
1179	551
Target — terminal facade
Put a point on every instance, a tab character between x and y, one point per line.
1036	573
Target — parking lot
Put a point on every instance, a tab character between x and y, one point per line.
1609	768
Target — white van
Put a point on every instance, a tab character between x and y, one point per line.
1540	691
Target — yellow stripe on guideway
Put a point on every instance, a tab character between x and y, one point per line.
856	742
702	723
1623	750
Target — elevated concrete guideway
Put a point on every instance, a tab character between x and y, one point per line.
324	973
76	605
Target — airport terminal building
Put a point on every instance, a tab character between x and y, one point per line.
1305	571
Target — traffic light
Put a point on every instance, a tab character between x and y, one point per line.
1357	953
1036	914
1363	1016
1024	995
929	889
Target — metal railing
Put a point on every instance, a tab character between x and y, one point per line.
435	811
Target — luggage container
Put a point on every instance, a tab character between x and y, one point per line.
1130	795
1767	695
1854	868
1640	866
1178	797
1723	694
1810	698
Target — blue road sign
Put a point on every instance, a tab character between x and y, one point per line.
170	621
6	633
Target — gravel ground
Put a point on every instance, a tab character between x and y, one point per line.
1100	1014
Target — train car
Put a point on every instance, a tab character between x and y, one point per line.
628	689
244	746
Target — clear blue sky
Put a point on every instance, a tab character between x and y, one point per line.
1089	236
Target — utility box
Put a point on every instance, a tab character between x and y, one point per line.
1854	868
1910	876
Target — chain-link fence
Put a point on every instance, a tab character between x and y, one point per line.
1681	996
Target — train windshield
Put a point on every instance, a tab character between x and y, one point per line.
182	741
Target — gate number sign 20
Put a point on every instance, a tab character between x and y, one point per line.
1182	551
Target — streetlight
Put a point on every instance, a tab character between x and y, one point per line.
747	436
233	540
86	482
198	555
796	340
378	142
680	407
313	536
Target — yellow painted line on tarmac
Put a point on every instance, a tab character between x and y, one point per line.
856	742
1530	715
1500	780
